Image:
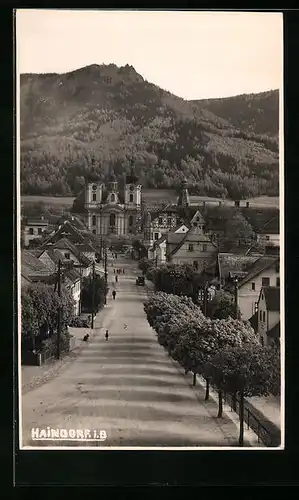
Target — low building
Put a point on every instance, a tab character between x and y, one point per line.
195	248
263	272
33	229
68	252
269	233
268	315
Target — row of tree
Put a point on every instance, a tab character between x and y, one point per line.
227	353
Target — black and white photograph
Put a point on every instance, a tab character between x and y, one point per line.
150	252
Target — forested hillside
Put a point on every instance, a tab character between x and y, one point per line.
76	126
257	113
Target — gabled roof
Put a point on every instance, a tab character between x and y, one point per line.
194	235
260	265
197	217
66	229
274	332
32	267
231	262
64	243
272	297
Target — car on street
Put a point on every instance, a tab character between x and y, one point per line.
140	281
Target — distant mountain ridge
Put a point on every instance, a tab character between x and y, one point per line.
78	125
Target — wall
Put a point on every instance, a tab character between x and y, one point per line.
265	239
248	297
28	237
271	319
184	255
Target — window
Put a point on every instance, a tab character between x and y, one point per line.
264	316
253	286
190	247
277	267
94	197
160	222
169	221
94	220
198	219
67	255
195	264
277	281
94	231
94	187
112	197
156	236
131	220
31	231
112	219
261	315
131	198
262	341
39	230
267	237
204	247
195	224
265	281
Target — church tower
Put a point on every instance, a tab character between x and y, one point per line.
132	191
147	228
183	199
112	197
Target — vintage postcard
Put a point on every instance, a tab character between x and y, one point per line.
150	229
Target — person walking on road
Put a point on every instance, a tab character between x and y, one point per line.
116	279
106	335
114	294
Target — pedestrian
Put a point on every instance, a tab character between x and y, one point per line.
106	335
123	271
125	326
114	270
116	278
86	337
116	255
113	294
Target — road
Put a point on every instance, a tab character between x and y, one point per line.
127	386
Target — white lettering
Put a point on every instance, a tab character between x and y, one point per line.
34	433
48	432
42	434
72	433
103	435
87	433
80	434
63	433
54	433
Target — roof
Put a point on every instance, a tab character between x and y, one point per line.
272	297
231	262
32	267
65	229
195	235
260	218
274	332
32	221
64	243
258	267
271	226
199	218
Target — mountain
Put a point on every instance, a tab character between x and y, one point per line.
257	113
76	126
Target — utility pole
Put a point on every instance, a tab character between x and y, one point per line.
105	270
92	296
205	298
59	309
236	297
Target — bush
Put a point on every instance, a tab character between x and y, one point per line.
79	322
49	346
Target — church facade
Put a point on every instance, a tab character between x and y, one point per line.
110	211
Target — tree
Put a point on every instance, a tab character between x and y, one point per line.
237	230
222	306
93	292
245	370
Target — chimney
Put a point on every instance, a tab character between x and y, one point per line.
247	204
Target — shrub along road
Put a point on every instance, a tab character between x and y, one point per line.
127	386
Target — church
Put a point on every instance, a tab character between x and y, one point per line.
112	212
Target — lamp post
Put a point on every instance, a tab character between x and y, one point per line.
236	296
106	274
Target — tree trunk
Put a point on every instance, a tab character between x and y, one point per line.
33	342
207	389
234	401
194	379
241	417
220	404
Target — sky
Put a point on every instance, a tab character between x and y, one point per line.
195	55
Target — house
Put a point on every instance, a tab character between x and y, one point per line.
194	248
33	229
231	265
32	269
68	252
72	277
160	247
268	315
263	272
269	233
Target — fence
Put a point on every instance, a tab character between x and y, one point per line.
266	432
